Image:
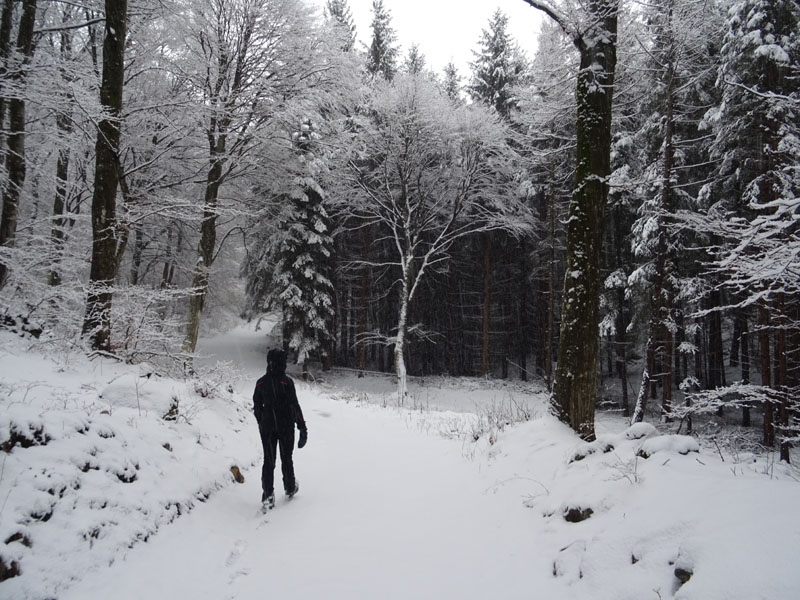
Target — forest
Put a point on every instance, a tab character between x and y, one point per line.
616	216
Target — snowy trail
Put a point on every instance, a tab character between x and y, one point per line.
384	511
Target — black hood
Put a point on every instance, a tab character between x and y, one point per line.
276	362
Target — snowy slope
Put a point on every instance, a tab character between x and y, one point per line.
394	502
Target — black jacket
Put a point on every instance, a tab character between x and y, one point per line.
275	404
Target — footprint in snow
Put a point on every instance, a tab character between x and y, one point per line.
236	553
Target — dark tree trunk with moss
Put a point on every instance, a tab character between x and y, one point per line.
15	156
576	373
97	322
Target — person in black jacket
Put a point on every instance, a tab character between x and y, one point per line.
277	411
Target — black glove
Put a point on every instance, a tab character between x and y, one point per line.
303	438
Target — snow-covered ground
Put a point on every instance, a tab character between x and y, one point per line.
440	498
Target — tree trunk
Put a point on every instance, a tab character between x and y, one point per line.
138	250
97	321
15	158
780	379
205	249
576	375
5	43
766	375
486	305
57	233
363	305
400	343
744	347
716	350
551	294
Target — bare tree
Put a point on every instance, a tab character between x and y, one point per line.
97	321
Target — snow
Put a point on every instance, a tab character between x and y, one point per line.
461	493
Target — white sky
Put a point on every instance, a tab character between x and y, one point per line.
448	29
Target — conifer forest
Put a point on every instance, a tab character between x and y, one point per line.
616	215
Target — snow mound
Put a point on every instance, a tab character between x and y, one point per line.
87	475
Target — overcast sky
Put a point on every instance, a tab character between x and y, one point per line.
448	29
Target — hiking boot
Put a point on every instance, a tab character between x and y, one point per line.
267	502
295	490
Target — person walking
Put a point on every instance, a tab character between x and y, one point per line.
277	411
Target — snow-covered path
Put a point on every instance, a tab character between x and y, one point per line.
385	511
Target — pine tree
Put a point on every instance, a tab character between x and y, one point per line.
498	66
290	267
382	53
339	12
757	127
452	82
674	164
414	64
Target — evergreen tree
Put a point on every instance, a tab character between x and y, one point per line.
414	64
499	65
382	52
452	82
290	265
683	35
753	205
339	12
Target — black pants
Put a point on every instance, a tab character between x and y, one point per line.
272	441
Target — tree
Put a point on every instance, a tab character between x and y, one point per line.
244	59
290	266
15	156
594	34
754	218
675	164
452	82
339	12
498	66
437	174
382	51
97	321
414	64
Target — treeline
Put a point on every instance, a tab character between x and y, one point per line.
407	221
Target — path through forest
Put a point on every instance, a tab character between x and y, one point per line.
385	511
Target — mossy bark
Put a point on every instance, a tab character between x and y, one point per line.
576	375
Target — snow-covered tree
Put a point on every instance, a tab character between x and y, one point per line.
753	203
678	70
452	82
414	63
15	74
97	323
499	65
339	12
382	52
428	175
289	266
593	30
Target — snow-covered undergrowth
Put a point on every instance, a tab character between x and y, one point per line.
96	456
638	513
